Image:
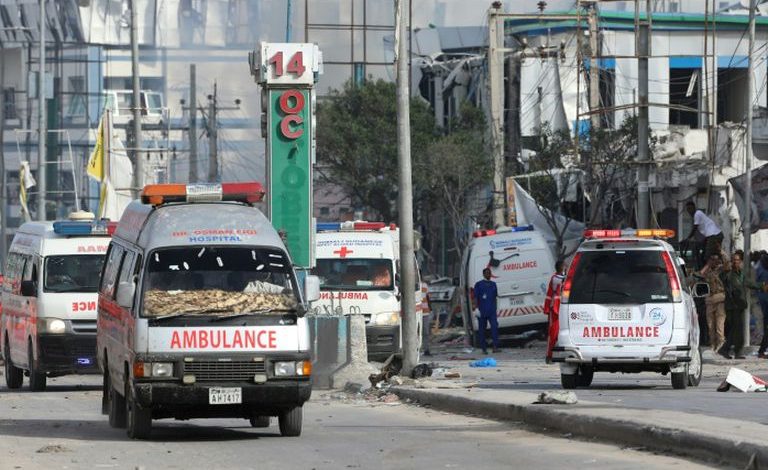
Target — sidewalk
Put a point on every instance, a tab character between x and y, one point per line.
631	409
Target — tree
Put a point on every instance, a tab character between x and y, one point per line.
357	143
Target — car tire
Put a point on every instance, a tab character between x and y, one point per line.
139	419
260	422
37	379
569	381
117	418
14	376
290	422
680	379
584	376
106	385
695	368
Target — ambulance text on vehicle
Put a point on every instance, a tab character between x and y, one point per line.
48	322
200	314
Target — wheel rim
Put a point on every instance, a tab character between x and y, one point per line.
695	364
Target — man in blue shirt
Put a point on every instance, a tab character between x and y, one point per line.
485	295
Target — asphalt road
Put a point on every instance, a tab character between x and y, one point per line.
63	428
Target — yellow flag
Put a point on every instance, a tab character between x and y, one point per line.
96	161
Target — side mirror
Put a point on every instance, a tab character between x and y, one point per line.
29	288
311	288
125	292
701	289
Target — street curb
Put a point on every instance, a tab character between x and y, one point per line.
553	417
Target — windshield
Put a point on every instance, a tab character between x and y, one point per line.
620	277
218	281
354	274
72	273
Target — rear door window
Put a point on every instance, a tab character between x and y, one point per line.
620	277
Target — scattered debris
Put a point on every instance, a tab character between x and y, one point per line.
743	381
443	384
421	370
52	449
487	362
390	398
353	387
557	397
452	375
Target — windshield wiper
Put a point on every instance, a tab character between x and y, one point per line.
255	312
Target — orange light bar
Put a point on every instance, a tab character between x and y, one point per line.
156	194
655	233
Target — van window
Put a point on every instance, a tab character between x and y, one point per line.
354	274
30	269
72	273
218	280
111	268
620	277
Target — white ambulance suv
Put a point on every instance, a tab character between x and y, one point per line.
626	307
48	322
200	313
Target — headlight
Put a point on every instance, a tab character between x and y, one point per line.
51	325
153	369
287	369
386	319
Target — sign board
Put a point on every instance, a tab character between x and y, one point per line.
287	73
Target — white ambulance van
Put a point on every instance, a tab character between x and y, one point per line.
358	264
200	313
48	322
521	264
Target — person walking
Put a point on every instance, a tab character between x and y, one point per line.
715	301
736	292
713	236
485	294
552	307
761	275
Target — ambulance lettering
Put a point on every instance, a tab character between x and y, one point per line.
83	306
521	265
344	295
621	332
224	339
92	249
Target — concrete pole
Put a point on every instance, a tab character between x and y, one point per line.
138	164
594	68
405	199
192	123
41	130
213	141
439	103
496	111
747	224
513	118
643	197
3	176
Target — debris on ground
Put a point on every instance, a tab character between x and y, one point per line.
52	449
487	362
557	397
421	370
742	380
353	387
443	384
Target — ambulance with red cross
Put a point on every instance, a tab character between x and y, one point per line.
358	265
200	314
48	322
521	264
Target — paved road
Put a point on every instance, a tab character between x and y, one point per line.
62	428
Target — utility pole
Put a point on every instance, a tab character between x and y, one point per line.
42	133
513	117
3	176
192	123
496	111
213	138
747	223
288	27
138	164
643	196
594	68
405	198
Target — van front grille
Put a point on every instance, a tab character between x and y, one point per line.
224	371
83	326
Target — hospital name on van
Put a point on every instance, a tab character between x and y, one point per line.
224	339
92	249
343	295
521	265
621	332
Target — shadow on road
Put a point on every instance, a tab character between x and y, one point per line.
50	389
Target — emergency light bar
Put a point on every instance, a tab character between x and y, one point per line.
156	194
73	228
352	226
486	233
639	233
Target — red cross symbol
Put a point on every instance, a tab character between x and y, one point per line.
343	252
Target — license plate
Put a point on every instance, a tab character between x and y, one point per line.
620	314
225	396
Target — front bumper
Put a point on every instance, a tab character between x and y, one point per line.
67	354
174	400
383	341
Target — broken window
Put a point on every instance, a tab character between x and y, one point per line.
684	96
732	91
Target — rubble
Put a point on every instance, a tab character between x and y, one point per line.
557	397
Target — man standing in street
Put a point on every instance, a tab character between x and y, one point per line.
485	295
713	236
552	307
735	303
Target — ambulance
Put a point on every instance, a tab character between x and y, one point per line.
521	264
358	265
48	321
200	314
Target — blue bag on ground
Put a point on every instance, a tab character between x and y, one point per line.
487	362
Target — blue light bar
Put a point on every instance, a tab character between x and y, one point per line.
328	226
72	228
524	228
